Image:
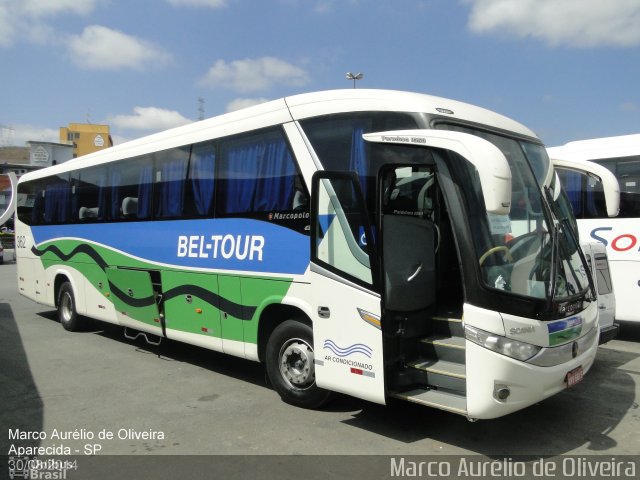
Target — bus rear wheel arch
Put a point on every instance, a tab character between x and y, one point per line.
289	359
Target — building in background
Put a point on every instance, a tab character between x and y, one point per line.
35	155
14	159
86	137
46	154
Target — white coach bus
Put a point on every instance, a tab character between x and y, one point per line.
621	235
592	187
376	243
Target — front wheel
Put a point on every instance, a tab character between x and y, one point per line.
67	314
290	365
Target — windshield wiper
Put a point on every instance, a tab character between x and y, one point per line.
592	286
551	293
564	221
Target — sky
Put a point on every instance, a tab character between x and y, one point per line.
567	69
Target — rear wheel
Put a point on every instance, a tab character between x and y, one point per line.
290	365
67	314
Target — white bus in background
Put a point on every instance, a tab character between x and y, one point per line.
592	187
375	243
620	234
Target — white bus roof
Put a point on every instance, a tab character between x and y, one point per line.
598	148
286	109
323	103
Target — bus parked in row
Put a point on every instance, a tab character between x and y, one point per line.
591	186
621	233
376	243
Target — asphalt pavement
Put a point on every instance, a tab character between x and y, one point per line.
96	392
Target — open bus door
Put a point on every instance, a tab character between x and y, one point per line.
347	335
350	287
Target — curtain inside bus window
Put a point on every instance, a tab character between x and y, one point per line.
241	178
144	191
73	213
64	202
57	202
358	161
275	187
37	213
103	192
115	181
258	176
202	173
572	182
172	165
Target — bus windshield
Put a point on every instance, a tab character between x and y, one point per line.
532	251
528	252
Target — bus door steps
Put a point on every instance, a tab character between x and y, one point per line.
448	324
441	373
444	347
450	401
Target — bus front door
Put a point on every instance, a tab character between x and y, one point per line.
347	335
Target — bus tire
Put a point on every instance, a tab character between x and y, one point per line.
290	366
67	313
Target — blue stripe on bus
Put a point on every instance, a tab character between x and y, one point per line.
227	244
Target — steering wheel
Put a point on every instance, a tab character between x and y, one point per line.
520	246
492	250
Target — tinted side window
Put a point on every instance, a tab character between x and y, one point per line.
91	192
46	201
627	171
170	180
584	192
200	186
337	140
27	195
258	178
252	175
130	188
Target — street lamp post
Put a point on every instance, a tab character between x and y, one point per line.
354	77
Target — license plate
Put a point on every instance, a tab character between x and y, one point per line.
574	377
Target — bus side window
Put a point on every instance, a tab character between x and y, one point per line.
585	193
170	180
130	185
91	194
26	208
57	200
257	174
200	188
338	143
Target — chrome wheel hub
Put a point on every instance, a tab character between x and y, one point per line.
296	363
66	307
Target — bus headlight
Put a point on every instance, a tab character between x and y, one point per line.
506	346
